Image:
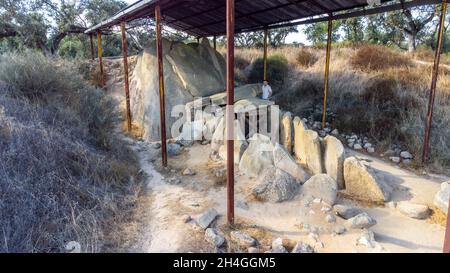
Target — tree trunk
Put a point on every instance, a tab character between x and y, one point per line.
412	37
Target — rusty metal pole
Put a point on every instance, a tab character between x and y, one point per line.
215	43
230	111
447	233
266	35
437	59
327	71
126	77
162	111
100	58
92	46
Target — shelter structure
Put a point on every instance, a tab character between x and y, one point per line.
212	18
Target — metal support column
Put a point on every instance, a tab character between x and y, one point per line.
327	71
230	111
437	59
266	36
126	77
215	43
100	58
162	111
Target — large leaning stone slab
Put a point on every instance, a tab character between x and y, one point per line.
334	157
442	196
284	161
286	132
205	219
321	186
276	186
299	145
362	182
258	157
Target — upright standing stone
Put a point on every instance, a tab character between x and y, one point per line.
307	147
362	182
334	160
299	145
286	132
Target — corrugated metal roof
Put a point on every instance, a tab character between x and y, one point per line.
208	17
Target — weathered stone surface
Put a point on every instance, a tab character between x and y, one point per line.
258	156
213	236
276	186
415	211
279	249
307	147
346	212
334	157
286	132
205	219
284	161
218	137
188	172
240	93
361	221
330	218
242	239
363	182
174	149
301	247
339	229
218	142
192	131
441	198
321	186
191	70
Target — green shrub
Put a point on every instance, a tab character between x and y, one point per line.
277	67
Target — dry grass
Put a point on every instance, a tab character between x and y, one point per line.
64	176
373	58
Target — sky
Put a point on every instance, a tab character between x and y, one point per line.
299	37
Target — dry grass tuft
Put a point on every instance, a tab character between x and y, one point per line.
306	58
375	58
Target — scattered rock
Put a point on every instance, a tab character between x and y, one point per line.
174	149
321	186
174	180
334	160
205	219
415	211
357	146
367	239
276	186
395	159
186	218
371	150
279	249
307	147
391	205
188	171
156	145
241	204
242	239
406	155
335	132
339	229
330	218
212	236
346	212
284	161
301	247
258	156
286	132
441	198
360	221
362	182
253	250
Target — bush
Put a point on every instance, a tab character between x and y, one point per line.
64	175
375	58
277	67
306	58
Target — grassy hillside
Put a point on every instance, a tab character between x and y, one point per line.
64	176
375	91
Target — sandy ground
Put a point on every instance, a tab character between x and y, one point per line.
164	228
